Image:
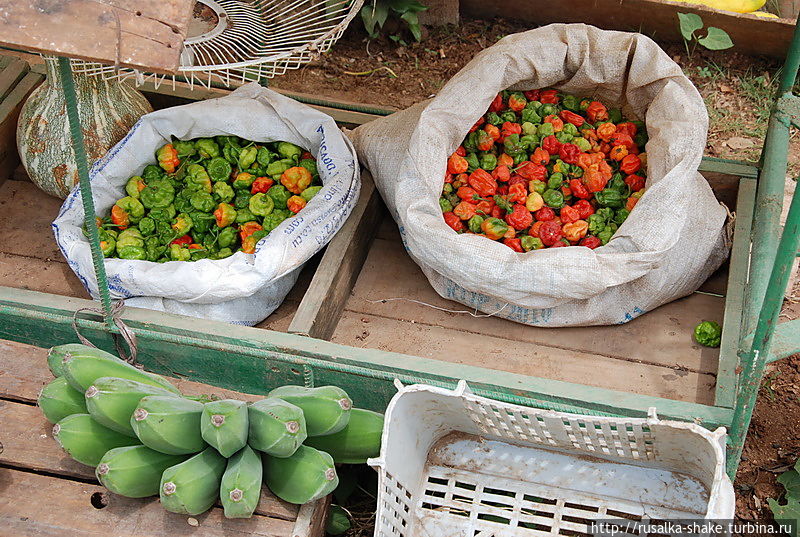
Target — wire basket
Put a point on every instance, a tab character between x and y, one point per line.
246	41
453	464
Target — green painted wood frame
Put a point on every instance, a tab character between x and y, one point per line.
255	360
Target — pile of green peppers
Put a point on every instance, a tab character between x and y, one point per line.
207	199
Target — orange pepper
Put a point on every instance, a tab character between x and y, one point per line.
606	131
295	204
120	217
457	164
296	179
575	231
554	120
540	156
248	228
618	152
493	131
534	230
505	160
465	210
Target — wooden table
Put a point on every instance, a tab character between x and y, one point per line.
45	493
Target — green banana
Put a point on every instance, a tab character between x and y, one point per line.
224	425
83	365
304	477
240	488
276	427
59	400
134	471
87	441
111	401
168	424
357	442
326	409
192	487
61	353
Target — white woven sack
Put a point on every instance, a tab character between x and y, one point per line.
667	247
243	288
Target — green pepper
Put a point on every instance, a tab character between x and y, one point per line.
243	181
618	183
182	203
537	186
615	115
178	253
564	137
134	186
202	222
555	181
529	115
519	158
222	253
230	152
545	129
548	110
529	243
244	215
164	231
202	201
129	237
513	145
471	142
596	223
445	205
242	199
223	139
473	163
276	168
132	252
509	115
569	128
223	191
529	142
529	128
607	233
310	165
133	207
448	188
533	105
184	149
154	248
493	119
261	204
708	334
197	178
271	221
247	157
570	102
219	169
163	213
494	228
152	171
279	195
182	224
619	216
582	143
147	226
309	193
264	156
227	237
475	223
157	193
553	198
609	198
289	151
108	244
488	162
207	148
453	199
606	213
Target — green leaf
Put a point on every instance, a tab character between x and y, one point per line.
717	39
690	23
787	513
338	521
406	6
413	24
374	15
791	482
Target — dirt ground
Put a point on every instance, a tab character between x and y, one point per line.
737	90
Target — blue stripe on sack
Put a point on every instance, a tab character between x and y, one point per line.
629	316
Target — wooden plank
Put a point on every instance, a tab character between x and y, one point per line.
254	360
344	256
735	168
10	108
312	518
41	506
11	73
148	34
727	376
655	18
661	337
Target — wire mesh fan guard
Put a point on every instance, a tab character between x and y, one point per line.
250	40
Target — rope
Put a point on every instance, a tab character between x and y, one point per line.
124	330
476	314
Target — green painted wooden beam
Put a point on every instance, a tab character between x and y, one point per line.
256	360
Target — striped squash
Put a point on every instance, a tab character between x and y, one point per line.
107	111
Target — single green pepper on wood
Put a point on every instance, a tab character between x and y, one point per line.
708	334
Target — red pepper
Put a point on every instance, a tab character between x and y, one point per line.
560	243
624	139
493	131
502	190
514	244
596	111
555	121
630	164
531	95
569	153
566	191
636	182
484	207
627	128
548	96
550	233
477	124
590	241
631	202
518	192
516	104
448	178
186	239
306	156
530	171
508	129
466	193
571	117
545	214
262	184
497	212
579	190
483	183
534	230
584	208
455	164
540	156
501	173
569	214
551	144
485	141
465	210
520	218
497	104
453	221
461	152
516	179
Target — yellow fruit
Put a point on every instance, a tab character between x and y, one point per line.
764	14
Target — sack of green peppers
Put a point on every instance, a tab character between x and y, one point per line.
514	188
211	209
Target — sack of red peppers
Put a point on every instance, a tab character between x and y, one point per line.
553	181
212	208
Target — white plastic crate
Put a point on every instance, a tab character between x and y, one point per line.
453	464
